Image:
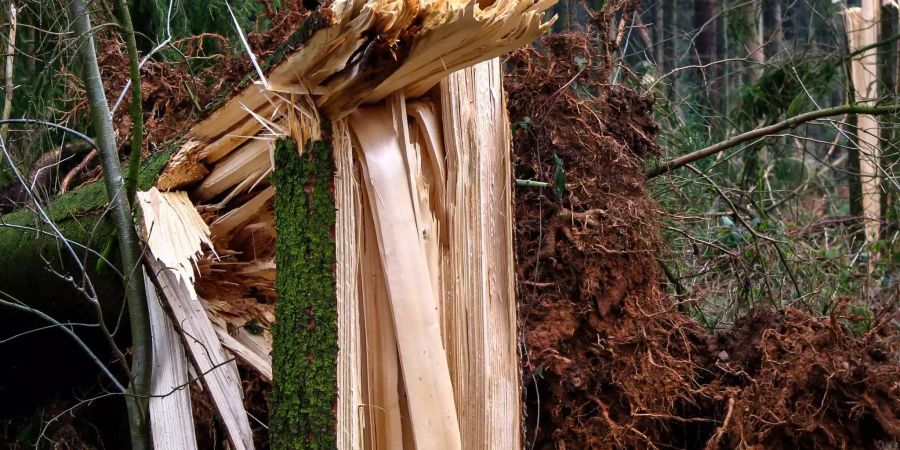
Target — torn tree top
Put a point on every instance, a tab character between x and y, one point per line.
369	50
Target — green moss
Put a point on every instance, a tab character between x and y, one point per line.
91	197
26	255
305	347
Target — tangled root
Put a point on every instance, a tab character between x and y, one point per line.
609	362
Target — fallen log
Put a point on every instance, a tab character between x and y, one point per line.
31	251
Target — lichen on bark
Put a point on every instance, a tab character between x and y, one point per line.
305	335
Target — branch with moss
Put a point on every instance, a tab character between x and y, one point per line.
792	122
135	109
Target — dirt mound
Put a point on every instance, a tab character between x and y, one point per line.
608	361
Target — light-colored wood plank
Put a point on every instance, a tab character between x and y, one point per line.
254	355
422	358
171	419
479	302
350	363
241	168
214	364
173	230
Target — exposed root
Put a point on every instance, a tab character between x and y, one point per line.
609	361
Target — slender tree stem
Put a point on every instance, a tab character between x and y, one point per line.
792	122
10	53
866	48
139	386
135	109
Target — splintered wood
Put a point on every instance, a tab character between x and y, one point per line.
480	308
424	286
171	419
370	50
393	204
430	188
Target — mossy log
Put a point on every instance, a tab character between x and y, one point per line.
28	249
34	265
305	348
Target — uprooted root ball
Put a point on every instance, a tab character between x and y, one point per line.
608	360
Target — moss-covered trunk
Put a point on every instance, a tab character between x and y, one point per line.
302	414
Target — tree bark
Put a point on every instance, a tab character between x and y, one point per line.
8	71
753	44
305	344
135	108
706	27
862	30
888	57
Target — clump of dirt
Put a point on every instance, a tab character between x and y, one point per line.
609	362
607	359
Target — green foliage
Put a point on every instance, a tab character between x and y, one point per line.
740	27
788	173
193	17
559	177
861	319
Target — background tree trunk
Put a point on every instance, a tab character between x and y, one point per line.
706	27
753	44
888	58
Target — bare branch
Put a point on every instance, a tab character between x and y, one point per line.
792	122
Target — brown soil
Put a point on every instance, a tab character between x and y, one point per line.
608	360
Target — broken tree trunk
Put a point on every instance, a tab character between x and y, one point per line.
388	285
383	306
305	347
